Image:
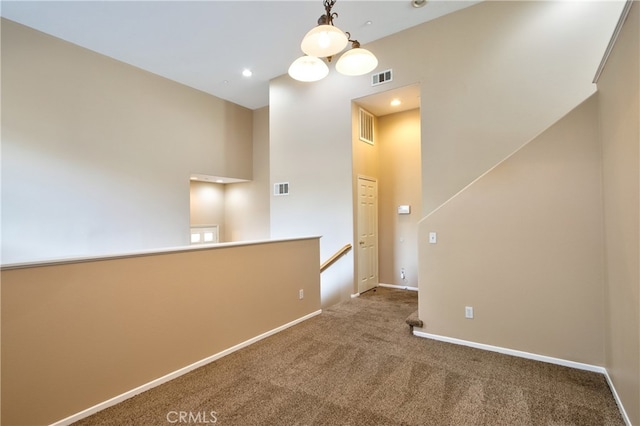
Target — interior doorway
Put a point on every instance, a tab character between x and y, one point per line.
367	233
393	159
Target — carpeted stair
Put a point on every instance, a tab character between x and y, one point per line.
414	321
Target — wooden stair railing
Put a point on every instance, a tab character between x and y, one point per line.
335	257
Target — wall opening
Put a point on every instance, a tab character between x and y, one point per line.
395	161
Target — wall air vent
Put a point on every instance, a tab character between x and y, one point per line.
281	188
382	77
366	126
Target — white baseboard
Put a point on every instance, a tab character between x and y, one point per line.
507	351
623	412
535	357
157	382
401	287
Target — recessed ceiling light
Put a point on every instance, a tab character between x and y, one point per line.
368	23
247	72
418	3
395	102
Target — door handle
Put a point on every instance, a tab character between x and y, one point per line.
361	243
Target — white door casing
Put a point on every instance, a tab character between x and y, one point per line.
367	244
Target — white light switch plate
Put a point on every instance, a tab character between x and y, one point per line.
433	237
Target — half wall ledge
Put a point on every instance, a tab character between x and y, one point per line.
150	252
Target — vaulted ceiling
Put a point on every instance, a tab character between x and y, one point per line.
207	44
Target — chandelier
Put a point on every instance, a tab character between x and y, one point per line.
325	41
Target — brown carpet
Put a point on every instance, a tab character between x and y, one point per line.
356	364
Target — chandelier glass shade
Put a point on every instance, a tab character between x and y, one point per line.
357	61
308	68
325	41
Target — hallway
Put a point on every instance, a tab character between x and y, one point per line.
356	363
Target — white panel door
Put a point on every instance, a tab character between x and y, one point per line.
367	234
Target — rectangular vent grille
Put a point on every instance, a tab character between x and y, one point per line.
366	126
382	77
281	188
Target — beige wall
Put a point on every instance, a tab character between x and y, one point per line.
77	334
400	178
394	161
499	74
523	245
310	137
247	203
97	154
620	131
207	205
366	156
241	210
117	145
366	164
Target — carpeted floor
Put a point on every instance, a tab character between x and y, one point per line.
357	364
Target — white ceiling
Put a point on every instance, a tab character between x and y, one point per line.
379	104
207	44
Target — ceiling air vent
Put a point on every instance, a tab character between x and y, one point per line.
281	188
382	77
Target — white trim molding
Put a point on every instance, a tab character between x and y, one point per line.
184	370
614	38
623	412
532	356
401	287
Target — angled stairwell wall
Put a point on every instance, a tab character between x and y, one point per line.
545	245
619	105
523	245
496	75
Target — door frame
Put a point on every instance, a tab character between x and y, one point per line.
357	257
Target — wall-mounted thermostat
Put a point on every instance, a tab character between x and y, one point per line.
405	209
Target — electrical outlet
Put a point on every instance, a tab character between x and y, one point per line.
468	311
301	294
403	276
